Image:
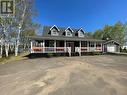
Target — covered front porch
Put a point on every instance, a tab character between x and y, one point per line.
60	46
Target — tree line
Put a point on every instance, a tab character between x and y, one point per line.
111	32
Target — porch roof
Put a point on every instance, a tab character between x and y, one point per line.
63	38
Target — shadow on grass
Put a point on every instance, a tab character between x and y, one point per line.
46	55
51	55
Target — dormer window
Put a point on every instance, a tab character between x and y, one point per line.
81	33
54	31
68	32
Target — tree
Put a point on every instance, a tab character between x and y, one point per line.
23	19
118	33
89	35
21	22
107	30
125	31
115	32
5	24
98	34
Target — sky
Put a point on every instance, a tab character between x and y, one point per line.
87	14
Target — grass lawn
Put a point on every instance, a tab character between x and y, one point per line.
13	58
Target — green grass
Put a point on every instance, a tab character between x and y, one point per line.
12	58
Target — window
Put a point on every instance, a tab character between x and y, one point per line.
68	33
98	44
84	44
54	32
92	44
80	34
51	43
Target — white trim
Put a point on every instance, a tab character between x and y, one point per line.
80	45
111	41
70	29
43	46
79	31
31	43
82	30
55	46
55	27
65	45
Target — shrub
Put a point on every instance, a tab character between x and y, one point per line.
49	54
96	53
124	50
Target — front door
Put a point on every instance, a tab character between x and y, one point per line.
71	44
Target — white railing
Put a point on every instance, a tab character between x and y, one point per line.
64	49
88	49
84	49
51	49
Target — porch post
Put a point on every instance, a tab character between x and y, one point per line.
65	46
80	44
94	46
101	47
43	46
88	46
104	48
31	46
55	46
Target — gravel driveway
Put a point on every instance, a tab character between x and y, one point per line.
86	75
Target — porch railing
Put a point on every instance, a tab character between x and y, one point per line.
51	49
88	49
64	49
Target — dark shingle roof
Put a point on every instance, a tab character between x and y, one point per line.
47	36
63	38
46	31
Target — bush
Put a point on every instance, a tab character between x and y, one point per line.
50	55
96	53
124	50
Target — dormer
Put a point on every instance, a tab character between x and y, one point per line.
54	30
68	32
81	33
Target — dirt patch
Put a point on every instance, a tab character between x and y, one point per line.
64	76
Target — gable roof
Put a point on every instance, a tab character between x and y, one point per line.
81	30
69	29
112	41
54	26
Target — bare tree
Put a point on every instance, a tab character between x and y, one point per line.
21	22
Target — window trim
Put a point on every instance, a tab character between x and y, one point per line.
68	30
52	32
79	31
